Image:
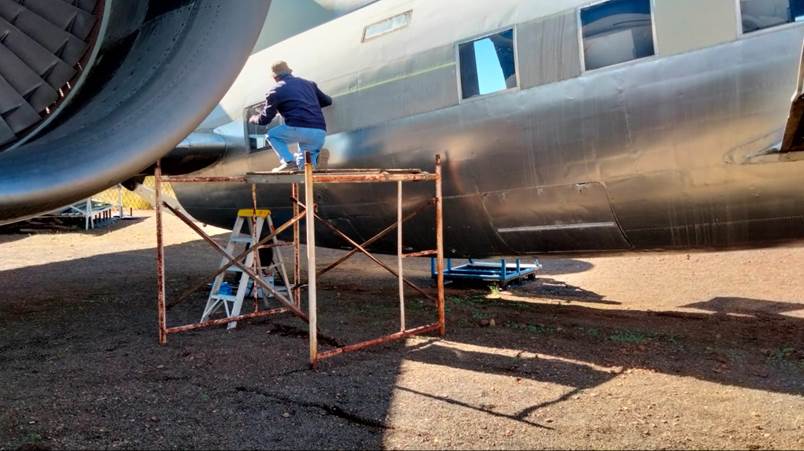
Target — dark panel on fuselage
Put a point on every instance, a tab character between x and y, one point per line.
549	50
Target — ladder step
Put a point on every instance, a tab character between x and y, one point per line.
243	239
224	297
238	270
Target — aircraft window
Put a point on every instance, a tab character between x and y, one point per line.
760	14
616	31
387	26
256	133
488	65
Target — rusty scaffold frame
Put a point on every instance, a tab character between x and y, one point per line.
292	302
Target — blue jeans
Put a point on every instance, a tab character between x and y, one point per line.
310	140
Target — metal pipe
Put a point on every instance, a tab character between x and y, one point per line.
439	223
294	194
400	257
378	341
421	254
281	258
372	257
254	238
372	240
312	293
368	254
344	177
191	179
223	321
161	314
373	178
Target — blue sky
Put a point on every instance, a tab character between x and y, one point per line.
489	73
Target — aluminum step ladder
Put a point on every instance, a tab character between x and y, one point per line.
232	301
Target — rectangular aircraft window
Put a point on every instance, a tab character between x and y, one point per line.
616	31
488	65
387	26
761	14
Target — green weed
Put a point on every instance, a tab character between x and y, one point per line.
531	328
591	331
494	292
782	354
629	336
31	439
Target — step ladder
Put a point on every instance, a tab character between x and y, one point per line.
232	301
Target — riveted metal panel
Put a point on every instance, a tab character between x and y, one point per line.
398	89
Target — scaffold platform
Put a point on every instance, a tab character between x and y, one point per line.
291	300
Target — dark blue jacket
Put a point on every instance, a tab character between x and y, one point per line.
299	101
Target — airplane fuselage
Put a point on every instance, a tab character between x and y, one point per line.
670	151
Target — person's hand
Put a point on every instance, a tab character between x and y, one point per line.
255	119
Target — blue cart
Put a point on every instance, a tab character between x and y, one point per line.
500	272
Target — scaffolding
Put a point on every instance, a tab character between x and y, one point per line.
291	299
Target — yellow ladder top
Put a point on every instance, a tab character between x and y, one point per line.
251	213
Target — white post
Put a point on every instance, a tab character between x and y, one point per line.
88	215
399	257
120	199
309	219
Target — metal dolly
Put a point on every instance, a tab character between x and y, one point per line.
500	272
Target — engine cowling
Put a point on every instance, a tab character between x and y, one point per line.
94	91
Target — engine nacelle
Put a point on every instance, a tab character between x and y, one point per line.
94	91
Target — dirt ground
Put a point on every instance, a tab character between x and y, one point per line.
640	351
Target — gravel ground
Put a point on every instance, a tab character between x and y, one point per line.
638	351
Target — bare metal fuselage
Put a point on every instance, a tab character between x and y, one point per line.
662	153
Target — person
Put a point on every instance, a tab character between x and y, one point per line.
300	102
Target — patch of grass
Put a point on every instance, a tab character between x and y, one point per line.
786	356
591	331
473	303
458	300
630	336
494	292
540	329
28	440
418	304
478	315
783	354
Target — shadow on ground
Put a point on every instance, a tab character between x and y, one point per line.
50	225
80	367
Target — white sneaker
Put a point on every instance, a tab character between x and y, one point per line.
286	167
